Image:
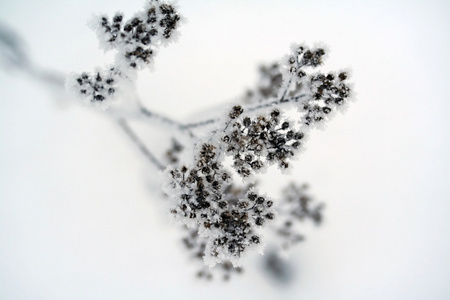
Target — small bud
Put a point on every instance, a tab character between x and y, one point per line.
257	164
252	196
270	216
275	113
247	122
298	135
255	239
343	76
206	170
339	101
99	97
307	55
225	176
301	74
320	52
243	204
259	221
326	110
236	112
117	19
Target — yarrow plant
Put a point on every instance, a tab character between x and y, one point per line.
215	195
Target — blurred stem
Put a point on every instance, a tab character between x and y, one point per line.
137	141
253	108
165	120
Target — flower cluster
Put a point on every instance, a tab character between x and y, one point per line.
204	200
328	93
98	87
253	142
137	39
268	85
136	42
307	57
173	153
224	220
201	193
321	93
196	247
296	206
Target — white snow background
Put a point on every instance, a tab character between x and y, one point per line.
79	215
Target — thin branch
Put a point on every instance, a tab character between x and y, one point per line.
275	102
257	107
14	55
299	66
165	120
135	139
286	89
200	124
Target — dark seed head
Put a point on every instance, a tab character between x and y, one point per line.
99	97
270	216
343	76
326	110
118	19
259	221
255	239
223	204
247	122
252	196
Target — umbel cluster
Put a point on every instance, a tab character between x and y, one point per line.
218	200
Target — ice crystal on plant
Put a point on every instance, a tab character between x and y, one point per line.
202	200
223	219
137	39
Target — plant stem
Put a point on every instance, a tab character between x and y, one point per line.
135	139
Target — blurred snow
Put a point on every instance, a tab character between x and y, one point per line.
80	219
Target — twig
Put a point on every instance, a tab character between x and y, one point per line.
275	102
286	90
165	120
249	109
135	139
200	124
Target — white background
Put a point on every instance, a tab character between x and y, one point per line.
79	215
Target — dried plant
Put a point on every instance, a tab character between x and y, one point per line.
218	200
